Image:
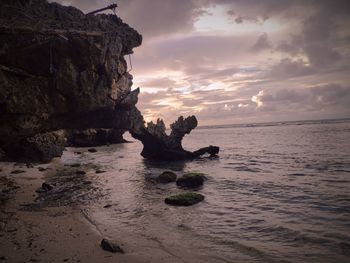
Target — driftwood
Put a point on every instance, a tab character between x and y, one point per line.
159	146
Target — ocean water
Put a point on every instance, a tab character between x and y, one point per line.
278	192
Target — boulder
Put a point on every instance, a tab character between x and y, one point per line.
184	199
191	180
167	177
38	148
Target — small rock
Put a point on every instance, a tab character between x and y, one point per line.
100	171
80	172
167	177
75	165
87	182
29	165
109	246
191	180
17	171
107	206
92	150
184	199
41	169
77	152
45	187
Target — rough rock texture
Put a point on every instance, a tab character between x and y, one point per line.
61	69
94	137
157	145
41	147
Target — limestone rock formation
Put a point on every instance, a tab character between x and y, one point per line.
93	137
62	69
157	145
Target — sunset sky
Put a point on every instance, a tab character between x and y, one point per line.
239	61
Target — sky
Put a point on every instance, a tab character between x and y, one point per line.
239	61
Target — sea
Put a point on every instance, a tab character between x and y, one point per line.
277	192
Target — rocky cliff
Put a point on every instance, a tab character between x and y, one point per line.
61	69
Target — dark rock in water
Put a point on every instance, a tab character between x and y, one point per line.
191	180
67	73
107	206
38	148
99	171
79	172
157	145
167	177
94	137
75	165
111	247
184	199
17	171
92	150
41	169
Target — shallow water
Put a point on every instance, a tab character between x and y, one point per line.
277	193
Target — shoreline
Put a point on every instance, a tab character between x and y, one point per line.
64	233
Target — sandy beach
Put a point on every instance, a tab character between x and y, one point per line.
59	234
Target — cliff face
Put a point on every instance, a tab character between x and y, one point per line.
61	69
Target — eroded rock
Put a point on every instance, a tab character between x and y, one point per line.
157	145
67	72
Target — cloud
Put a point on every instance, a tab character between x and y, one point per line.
261	44
259	61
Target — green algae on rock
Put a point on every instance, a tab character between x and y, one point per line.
184	199
191	180
167	177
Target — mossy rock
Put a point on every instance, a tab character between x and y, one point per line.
184	199
167	177
191	180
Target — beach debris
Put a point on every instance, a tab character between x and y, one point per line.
92	150
184	199
191	180
159	146
167	177
110	246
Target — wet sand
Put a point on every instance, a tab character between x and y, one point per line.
61	234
